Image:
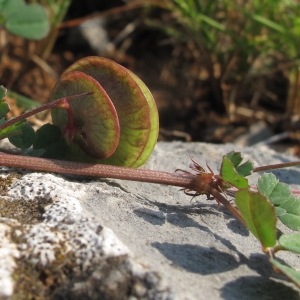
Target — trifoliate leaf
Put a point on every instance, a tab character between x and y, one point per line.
235	158
229	174
245	169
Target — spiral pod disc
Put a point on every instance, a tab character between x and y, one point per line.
95	114
135	106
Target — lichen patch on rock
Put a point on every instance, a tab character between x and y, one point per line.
25	212
7	181
51	250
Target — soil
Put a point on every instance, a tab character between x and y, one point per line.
187	107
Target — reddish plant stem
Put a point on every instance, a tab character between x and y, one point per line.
186	181
78	168
277	166
57	103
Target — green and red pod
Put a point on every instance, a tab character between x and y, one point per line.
119	121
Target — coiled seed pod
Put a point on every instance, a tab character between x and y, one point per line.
117	124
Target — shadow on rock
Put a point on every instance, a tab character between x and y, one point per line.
237	227
259	263
184	221
287	175
154	217
256	287
197	259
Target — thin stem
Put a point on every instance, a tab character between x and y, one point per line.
186	181
78	168
57	103
277	166
277	248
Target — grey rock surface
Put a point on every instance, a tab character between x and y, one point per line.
68	237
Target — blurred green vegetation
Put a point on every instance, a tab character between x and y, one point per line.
239	58
236	40
28	21
57	10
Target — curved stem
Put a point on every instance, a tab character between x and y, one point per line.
57	103
277	248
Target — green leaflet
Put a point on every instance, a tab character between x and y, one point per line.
26	20
292	274
229	174
24	138
287	205
290	242
259	215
